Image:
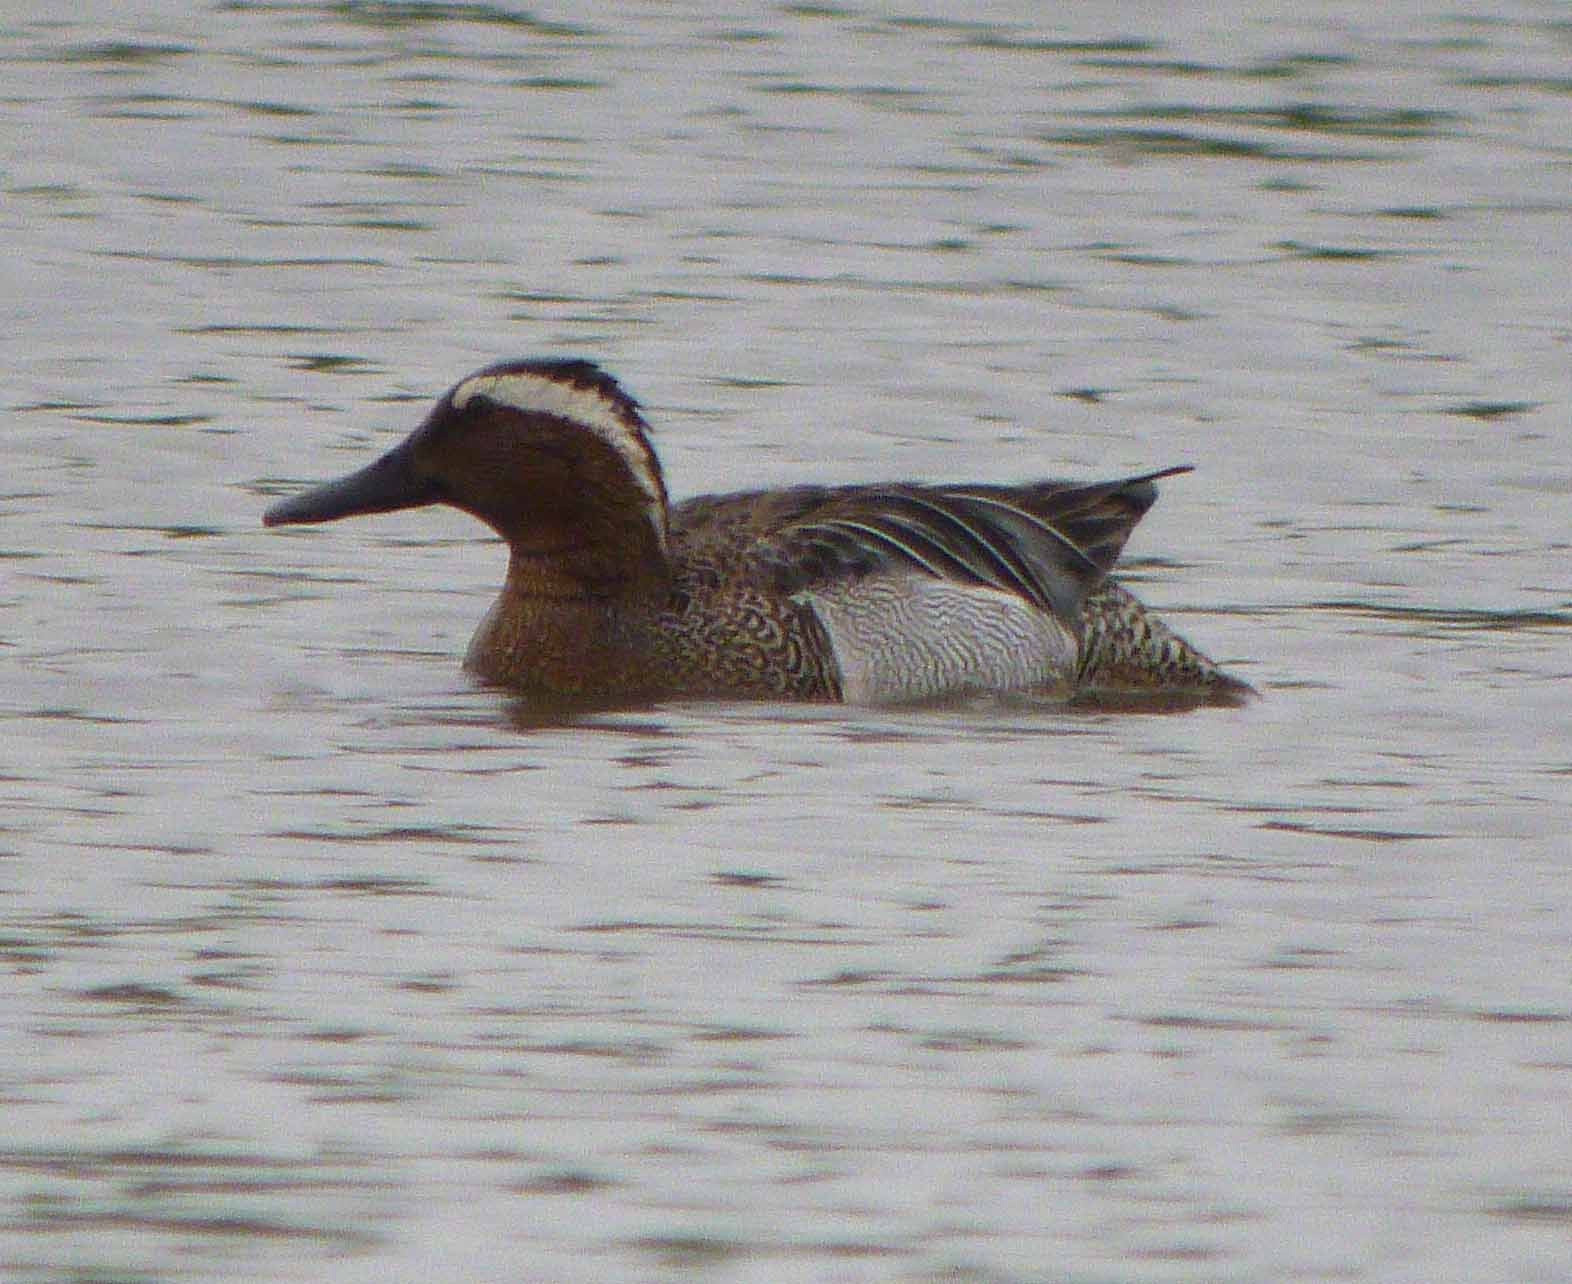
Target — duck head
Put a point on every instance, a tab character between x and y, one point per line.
551	454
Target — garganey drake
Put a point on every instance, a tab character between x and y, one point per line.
862	593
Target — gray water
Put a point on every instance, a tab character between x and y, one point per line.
322	963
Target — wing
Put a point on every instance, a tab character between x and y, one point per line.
1049	543
1097	517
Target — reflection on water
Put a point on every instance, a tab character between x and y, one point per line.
325	963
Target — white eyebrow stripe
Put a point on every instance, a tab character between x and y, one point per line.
540	394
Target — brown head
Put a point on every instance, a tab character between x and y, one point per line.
551	454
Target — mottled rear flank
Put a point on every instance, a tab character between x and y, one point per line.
867	593
1125	649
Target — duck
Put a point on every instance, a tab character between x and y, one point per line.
872	593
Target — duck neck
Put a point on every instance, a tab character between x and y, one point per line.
572	621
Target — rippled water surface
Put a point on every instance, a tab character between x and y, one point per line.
322	963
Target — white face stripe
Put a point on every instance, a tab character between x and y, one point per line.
540	394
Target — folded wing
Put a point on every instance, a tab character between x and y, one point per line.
1049	543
